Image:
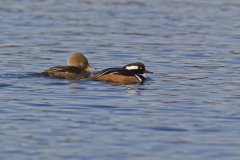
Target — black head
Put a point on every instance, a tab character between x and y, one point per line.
138	68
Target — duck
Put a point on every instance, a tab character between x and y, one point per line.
77	68
129	74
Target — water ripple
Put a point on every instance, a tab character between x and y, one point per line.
187	109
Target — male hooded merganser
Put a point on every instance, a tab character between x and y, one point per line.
131	73
78	68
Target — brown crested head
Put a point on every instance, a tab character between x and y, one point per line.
79	60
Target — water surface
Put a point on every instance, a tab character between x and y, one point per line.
188	109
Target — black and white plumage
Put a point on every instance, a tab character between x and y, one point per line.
131	73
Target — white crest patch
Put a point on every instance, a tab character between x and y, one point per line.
132	67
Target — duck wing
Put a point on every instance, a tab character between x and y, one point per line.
109	71
65	69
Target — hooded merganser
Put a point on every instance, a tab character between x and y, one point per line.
78	68
131	73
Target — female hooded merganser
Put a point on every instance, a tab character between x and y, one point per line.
78	68
129	74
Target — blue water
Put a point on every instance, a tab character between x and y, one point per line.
188	109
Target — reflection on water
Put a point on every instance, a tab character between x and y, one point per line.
188	109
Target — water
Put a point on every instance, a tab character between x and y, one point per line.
188	109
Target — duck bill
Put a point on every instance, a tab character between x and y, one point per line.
90	68
146	71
